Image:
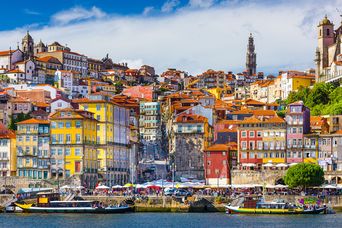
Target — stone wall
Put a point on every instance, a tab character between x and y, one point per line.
15	183
256	177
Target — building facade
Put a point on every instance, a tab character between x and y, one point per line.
33	151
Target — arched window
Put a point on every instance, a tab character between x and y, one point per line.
328	32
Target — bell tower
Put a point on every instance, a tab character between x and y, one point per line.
251	56
326	37
27	45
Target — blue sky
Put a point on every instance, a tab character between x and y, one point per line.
191	35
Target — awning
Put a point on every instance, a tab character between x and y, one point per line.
248	164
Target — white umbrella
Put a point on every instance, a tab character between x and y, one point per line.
292	164
268	165
329	186
117	186
102	187
248	164
281	165
281	186
80	187
65	187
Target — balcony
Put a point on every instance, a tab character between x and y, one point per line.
330	78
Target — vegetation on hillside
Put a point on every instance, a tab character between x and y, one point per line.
20	117
322	99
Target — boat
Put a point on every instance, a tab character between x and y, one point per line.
47	204
12	208
256	205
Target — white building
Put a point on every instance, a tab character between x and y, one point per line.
9	58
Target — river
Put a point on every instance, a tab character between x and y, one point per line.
167	220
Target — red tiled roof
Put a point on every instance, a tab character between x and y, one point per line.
34	121
189	118
217	147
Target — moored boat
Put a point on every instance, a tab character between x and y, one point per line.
46	203
255	205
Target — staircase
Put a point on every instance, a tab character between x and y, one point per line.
69	197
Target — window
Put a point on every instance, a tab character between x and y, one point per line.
67	151
68	124
68	138
251	134
244	145
259	133
243	134
77	152
27	138
98	107
294	130
224	153
243	155
251	155
98	117
53	152
78	124
78	138
60	125
60	151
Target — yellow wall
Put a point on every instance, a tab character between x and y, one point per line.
298	82
105	131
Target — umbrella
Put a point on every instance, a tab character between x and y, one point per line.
280	186
128	185
292	164
102	187
117	186
329	186
65	187
268	165
281	165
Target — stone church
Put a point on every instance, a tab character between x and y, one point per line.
328	53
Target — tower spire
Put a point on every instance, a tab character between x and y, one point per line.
251	56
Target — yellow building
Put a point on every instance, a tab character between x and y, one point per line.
33	152
73	145
298	81
103	110
8	155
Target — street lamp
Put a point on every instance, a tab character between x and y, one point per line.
58	171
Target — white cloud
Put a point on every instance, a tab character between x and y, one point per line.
77	14
195	40
201	3
31	12
169	5
148	10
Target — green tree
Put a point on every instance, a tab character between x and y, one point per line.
20	117
304	175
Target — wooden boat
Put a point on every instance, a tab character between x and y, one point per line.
73	207
253	205
50	203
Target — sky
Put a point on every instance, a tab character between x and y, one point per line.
190	35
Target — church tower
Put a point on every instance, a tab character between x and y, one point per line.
326	37
251	56
27	45
40	47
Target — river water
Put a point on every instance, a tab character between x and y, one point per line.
168	220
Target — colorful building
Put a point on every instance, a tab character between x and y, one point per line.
73	145
8	155
103	110
191	135
262	142
298	123
217	165
33	151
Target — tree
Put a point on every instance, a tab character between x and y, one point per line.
304	175
21	117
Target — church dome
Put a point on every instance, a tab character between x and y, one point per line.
28	36
325	21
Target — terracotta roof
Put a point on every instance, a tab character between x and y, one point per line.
275	119
250	120
34	121
316	121
41	104
49	59
264	113
253	102
4	53
217	147
6	133
15	71
189	118
242	111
